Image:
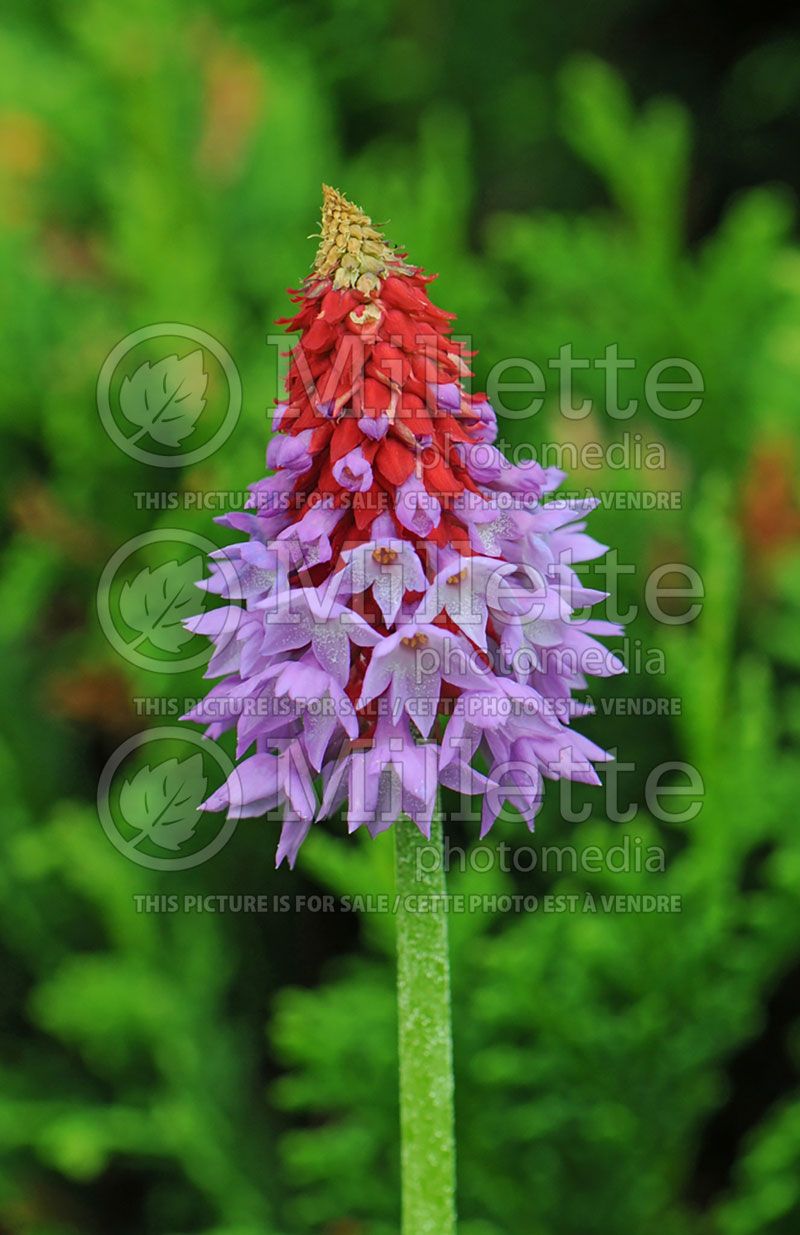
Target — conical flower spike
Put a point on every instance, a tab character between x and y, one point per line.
401	610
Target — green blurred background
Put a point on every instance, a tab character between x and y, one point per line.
582	173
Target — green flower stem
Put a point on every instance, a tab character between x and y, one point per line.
427	1136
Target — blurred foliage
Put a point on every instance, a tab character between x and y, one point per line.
585	1081
625	1072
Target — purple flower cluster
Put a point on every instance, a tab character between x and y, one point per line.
405	610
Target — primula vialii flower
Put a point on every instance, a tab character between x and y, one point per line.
402	611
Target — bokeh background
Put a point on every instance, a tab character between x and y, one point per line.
577	173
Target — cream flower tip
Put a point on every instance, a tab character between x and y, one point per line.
352	252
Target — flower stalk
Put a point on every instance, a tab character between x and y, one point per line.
427	1135
404	612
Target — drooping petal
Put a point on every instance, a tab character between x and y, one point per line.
418	510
